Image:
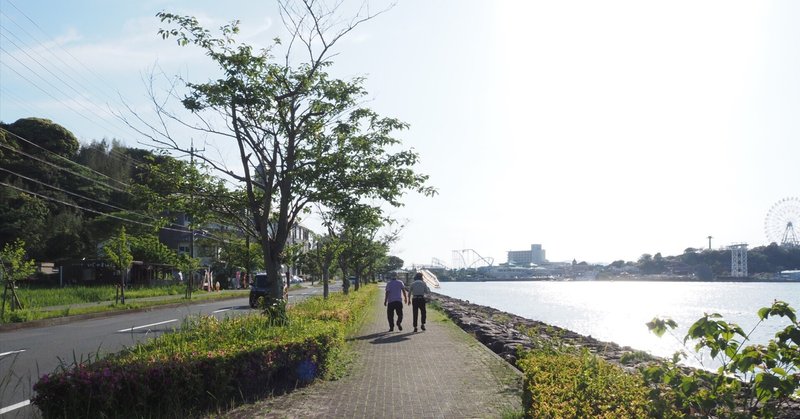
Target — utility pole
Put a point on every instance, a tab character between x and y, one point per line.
122	274
190	279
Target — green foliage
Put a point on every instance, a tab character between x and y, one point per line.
392	263
752	379
118	251
150	249
561	384
304	136
44	133
274	310
16	264
186	263
208	365
634	357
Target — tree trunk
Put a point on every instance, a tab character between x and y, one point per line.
325	278
274	277
345	281
358	275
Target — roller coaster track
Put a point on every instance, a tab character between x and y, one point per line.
468	258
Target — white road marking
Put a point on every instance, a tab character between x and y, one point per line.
221	310
14	407
147	325
11	352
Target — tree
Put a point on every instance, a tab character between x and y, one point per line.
33	151
392	263
617	264
326	250
15	266
302	136
33	132
355	226
118	251
149	249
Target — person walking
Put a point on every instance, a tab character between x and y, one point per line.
396	295
418	291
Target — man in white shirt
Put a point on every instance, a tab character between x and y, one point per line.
418	291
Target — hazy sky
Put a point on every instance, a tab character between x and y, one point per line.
601	130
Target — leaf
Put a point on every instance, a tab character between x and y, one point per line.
659	326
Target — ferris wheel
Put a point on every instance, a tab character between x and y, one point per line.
781	221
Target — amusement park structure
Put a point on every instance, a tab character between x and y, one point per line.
469	258
780	222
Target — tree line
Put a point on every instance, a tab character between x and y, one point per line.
64	201
709	263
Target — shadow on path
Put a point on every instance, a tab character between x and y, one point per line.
383	337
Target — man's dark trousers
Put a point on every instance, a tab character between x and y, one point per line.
418	303
391	308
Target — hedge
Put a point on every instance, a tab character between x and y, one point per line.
207	365
580	385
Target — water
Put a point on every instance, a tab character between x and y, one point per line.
617	311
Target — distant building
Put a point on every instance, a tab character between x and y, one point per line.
179	238
535	256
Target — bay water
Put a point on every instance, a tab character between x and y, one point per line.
616	311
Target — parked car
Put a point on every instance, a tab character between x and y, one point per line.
258	288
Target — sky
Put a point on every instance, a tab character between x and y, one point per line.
600	130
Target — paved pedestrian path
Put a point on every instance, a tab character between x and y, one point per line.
438	373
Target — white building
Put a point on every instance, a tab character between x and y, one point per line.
534	256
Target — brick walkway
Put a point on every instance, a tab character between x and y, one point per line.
439	373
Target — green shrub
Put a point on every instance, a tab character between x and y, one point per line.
752	379
19	316
208	365
560	384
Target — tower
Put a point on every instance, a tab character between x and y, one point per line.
738	260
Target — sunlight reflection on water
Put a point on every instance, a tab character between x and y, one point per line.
617	311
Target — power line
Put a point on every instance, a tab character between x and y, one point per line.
103	87
67	105
49	50
61	168
65	51
64	158
66	191
92	200
69	204
43	46
70	171
24	50
40	88
20	103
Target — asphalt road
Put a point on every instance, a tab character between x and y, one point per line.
26	354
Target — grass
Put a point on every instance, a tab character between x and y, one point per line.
86	300
46	297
